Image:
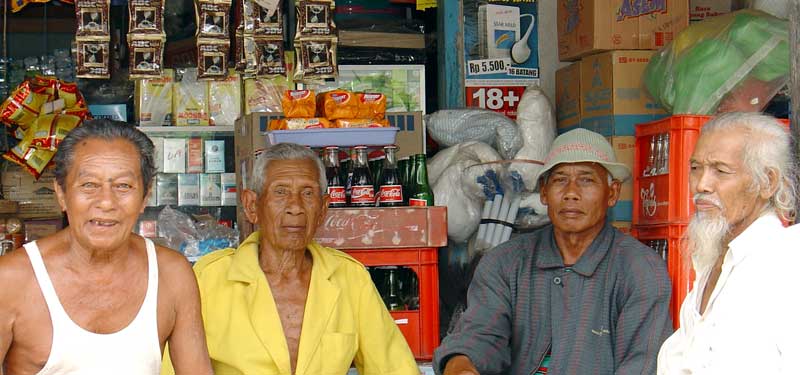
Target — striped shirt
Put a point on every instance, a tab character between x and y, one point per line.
607	314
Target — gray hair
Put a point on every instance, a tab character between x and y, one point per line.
285	151
107	130
768	147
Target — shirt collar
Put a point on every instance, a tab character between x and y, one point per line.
752	238
245	267
550	257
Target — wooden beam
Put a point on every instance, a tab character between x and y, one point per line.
794	81
450	30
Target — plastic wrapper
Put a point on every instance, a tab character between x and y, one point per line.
50	130
264	94
480	151
269	56
73	99
371	105
299	103
23	105
154	100
32	159
267	21
225	100
361	123
452	126
212	58
213	18
537	123
146	16
337	104
299	123
92	18
316	59
146	55
93	57
463	212
315	18
733	62
190	100
196	236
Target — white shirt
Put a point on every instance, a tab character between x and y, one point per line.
752	321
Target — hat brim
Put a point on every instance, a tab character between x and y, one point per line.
618	171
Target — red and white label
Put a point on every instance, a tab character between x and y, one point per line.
503	99
299	94
417	202
340	97
370	97
336	195
391	193
362	194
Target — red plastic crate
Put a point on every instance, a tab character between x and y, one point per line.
678	266
419	327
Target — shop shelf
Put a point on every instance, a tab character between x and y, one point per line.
335	137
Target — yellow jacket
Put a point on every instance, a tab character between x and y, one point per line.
345	319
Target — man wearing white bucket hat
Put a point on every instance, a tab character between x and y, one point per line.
576	296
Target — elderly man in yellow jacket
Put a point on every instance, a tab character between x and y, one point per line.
283	304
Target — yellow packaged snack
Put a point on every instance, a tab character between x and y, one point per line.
68	91
50	130
299	103
338	104
299	123
24	104
154	100
371	105
190	101
225	103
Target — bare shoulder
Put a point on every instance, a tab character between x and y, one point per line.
173	267
16	280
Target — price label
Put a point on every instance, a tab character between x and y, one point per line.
491	66
503	99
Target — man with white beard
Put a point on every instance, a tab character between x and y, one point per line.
740	317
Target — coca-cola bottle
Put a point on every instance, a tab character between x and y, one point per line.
362	191
336	193
347	172
421	192
391	187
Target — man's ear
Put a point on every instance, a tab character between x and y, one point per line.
774	182
60	196
323	212
249	203
613	192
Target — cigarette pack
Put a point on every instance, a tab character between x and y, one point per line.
174	155
498	30
188	189
167	189
228	181
210	189
194	155
215	156
158	153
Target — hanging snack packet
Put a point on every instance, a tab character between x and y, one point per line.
92	18
264	94
316	59
361	123
212	58
154	100
247	16
299	123
23	105
50	130
30	158
213	19
299	103
93	58
224	100
189	100
371	105
315	19
68	91
268	21
146	16
245	52
270	56
146	54
337	104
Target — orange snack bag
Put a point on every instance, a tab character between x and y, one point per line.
371	105
361	123
299	103
337	104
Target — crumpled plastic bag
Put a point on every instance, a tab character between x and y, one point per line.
194	237
479	151
733	62
449	127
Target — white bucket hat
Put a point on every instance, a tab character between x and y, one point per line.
579	146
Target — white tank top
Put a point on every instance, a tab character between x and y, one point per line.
134	350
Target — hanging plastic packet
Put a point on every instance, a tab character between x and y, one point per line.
224	100
247	17
316	59
93	58
264	94
92	18
50	130
315	19
30	158
268	21
337	104
73	100
154	100
23	105
299	123
213	18
269	55
371	105
146	16
245	53
212	58
299	104
189	98
146	54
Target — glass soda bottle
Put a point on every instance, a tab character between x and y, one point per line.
391	187
421	192
336	188
362	191
392	286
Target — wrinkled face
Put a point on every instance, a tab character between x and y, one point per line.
291	206
577	196
103	193
720	182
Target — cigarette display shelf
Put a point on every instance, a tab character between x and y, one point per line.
184	131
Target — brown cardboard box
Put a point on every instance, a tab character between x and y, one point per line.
624	147
568	99
37	199
589	26
702	9
613	99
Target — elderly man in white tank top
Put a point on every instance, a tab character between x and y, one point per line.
95	298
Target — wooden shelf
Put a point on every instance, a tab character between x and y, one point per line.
184	130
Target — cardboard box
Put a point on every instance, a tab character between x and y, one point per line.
702	9
624	150
194	155
229	196
174	155
613	99
210	190
568	99
188	189
587	27
36	198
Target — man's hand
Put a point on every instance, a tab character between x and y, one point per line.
460	365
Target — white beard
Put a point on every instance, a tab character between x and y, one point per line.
705	236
